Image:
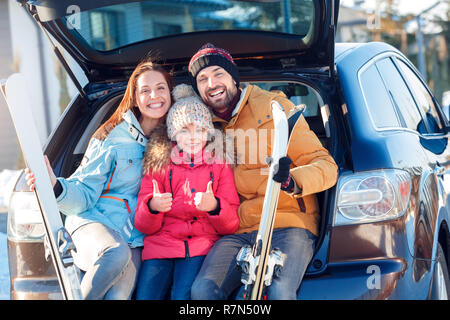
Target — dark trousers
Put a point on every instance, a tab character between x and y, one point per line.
219	277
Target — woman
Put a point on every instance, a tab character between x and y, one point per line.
100	198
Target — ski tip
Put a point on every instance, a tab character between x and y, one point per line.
277	104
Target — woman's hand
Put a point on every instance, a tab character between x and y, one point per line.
161	202
31	179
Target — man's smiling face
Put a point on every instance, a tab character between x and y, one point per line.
216	87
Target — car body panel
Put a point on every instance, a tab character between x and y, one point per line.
394	148
31	276
377	279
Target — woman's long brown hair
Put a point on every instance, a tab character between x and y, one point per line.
129	98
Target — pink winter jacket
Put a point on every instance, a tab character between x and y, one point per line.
185	231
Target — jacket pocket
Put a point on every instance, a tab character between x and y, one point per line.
113	211
129	165
124	201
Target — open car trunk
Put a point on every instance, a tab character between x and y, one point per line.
108	38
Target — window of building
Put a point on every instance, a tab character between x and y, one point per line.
182	16
105	33
163	29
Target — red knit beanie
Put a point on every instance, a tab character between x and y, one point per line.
209	55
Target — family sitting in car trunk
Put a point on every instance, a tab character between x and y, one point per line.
172	224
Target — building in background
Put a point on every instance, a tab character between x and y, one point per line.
25	49
384	22
352	25
8	141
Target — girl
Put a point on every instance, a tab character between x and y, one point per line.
100	197
187	200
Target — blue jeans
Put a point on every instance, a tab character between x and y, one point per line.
219	276
157	276
108	266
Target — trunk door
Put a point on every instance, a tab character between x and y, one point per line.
108	38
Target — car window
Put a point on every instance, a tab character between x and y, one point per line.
119	25
377	99
316	112
423	98
402	99
297	93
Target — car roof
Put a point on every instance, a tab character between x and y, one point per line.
365	51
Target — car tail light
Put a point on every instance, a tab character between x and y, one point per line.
372	196
24	217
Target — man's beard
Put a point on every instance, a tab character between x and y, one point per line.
223	104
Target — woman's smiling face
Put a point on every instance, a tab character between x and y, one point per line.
152	95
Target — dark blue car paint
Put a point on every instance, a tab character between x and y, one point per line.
404	249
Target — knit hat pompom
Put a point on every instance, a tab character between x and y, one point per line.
183	91
188	108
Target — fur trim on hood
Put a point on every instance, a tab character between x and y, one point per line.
159	147
157	150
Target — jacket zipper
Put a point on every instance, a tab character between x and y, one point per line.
301	204
125	201
110	179
186	245
186	248
126	204
170	181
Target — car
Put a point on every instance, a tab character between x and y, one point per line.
384	229
446	103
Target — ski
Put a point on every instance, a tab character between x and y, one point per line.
260	263
58	242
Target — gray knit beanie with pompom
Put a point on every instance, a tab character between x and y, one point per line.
188	108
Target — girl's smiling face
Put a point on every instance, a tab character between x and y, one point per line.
152	95
192	139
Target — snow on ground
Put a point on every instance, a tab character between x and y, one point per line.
4	271
7	180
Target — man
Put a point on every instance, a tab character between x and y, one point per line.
307	169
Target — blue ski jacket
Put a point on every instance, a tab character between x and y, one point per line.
105	186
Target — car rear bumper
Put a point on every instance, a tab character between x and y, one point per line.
389	278
396	279
32	277
35	289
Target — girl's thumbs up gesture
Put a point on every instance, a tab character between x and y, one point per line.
161	202
205	201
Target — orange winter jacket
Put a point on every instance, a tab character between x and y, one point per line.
312	168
